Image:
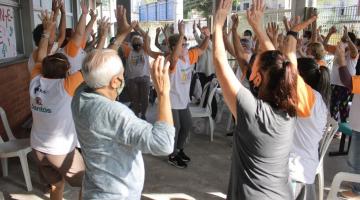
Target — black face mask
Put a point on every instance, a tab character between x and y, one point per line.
136	47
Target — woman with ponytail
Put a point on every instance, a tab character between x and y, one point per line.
265	123
304	156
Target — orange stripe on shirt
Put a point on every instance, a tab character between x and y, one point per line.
71	49
72	82
356	84
36	70
306	98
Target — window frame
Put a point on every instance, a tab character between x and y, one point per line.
16	4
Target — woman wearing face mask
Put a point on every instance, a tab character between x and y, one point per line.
265	122
181	60
137	75
53	135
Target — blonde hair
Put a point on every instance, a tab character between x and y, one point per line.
100	66
317	50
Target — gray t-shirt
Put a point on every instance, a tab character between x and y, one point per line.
261	146
112	139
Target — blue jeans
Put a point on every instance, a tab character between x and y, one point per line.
354	158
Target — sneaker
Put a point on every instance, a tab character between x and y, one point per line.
183	156
177	162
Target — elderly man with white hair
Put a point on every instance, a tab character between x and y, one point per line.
112	137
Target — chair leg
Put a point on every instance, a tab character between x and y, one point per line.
211	122
321	184
4	165
25	168
219	115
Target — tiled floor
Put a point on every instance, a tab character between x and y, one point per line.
205	178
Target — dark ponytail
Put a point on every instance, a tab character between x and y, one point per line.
323	86
280	88
318	77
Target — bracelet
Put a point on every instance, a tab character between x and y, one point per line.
293	33
45	35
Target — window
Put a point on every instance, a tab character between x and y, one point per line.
11	42
246	6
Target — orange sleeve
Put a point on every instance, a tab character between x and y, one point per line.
330	48
72	82
36	70
356	84
306	98
126	50
193	55
71	49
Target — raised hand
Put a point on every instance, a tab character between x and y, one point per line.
345	34
93	15
332	30
194	26
160	76
84	8
272	30
286	23
158	30
340	54
62	6
104	26
235	21
47	20
296	27
198	25
205	31
256	13
221	13
181	27
120	14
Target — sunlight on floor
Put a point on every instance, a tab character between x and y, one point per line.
218	194
170	196
25	196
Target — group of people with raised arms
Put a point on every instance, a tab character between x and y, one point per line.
280	101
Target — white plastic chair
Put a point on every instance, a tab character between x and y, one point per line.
340	177
330	130
14	148
199	111
223	107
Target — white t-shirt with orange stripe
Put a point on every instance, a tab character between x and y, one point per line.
304	159
53	131
75	54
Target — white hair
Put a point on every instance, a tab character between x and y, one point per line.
100	66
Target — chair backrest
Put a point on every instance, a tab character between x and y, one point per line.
6	125
329	132
204	92
212	89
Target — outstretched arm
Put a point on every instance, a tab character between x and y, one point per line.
104	25
123	27
80	28
62	25
175	53
227	79
205	43
147	40
48	24
90	25
254	17
352	48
